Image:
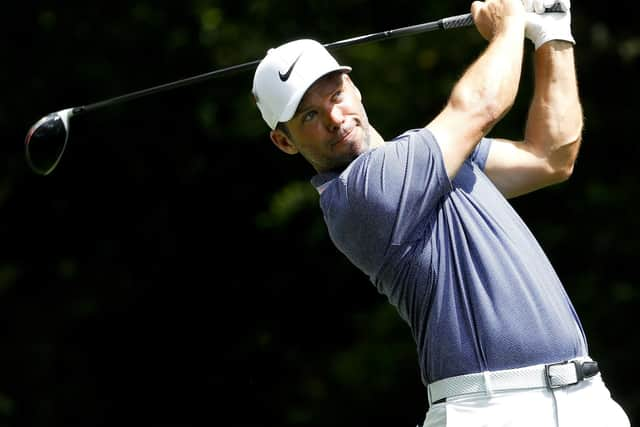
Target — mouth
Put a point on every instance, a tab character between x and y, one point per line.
343	136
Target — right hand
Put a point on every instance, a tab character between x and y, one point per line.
491	16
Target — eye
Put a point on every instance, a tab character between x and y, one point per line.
337	96
308	116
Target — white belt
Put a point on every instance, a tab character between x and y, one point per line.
553	375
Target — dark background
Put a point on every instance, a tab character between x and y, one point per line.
174	270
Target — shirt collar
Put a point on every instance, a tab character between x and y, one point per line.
322	180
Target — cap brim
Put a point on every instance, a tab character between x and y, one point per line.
292	106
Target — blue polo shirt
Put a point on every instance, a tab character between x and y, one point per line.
453	256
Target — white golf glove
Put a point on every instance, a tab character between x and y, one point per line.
543	27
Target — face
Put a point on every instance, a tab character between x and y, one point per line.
330	127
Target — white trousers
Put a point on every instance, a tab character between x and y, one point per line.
587	404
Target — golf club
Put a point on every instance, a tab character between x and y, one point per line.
47	139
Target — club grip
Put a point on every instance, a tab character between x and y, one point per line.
457	21
466	20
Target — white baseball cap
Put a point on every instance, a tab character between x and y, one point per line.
284	75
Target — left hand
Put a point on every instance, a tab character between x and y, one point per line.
542	27
539	6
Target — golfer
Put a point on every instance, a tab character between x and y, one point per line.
426	216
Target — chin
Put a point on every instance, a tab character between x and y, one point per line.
363	143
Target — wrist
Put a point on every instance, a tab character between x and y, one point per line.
555	46
513	23
561	39
512	26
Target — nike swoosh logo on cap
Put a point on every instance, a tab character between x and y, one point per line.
284	77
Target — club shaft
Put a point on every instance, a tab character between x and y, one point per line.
457	21
441	24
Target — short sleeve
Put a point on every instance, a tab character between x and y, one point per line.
382	199
481	153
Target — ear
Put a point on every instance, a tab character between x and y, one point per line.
353	85
283	142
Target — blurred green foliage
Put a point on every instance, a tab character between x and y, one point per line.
175	270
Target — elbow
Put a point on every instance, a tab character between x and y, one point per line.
557	174
563	161
562	174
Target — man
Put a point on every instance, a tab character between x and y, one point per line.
426	217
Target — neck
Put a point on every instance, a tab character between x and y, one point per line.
376	140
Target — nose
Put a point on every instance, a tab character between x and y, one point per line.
335	117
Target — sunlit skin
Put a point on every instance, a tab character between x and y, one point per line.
330	127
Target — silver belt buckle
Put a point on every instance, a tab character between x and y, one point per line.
548	376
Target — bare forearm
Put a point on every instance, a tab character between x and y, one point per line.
485	92
491	82
555	117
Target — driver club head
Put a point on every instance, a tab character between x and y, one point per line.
46	141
